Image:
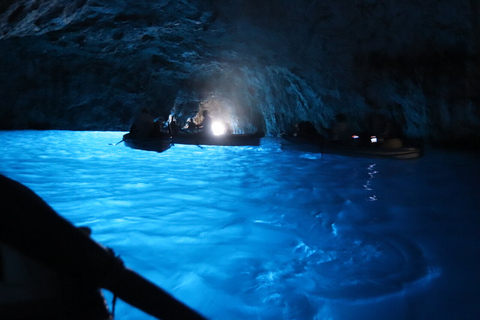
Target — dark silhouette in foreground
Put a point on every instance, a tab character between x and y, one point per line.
30	226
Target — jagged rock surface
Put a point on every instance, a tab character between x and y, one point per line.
91	64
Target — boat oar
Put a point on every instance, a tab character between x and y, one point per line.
117	142
29	225
141	293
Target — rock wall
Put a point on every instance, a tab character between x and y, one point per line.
92	64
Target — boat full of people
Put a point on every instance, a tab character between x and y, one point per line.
342	142
157	135
211	132
354	149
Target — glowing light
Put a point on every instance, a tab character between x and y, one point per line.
218	128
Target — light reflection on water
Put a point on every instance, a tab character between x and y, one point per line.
260	233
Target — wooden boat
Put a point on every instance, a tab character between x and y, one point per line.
158	143
372	150
30	289
32	228
220	140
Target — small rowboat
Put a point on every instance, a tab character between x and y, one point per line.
370	151
159	143
39	245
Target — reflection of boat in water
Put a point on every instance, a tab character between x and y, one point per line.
369	150
159	143
218	140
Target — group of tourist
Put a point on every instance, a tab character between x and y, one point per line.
378	130
145	126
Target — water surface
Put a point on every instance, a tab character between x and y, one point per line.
260	233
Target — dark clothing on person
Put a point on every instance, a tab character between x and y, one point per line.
206	125
340	131
143	124
306	130
173	128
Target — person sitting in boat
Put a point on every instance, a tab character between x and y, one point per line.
340	131
206	125
143	124
306	130
383	131
172	125
190	126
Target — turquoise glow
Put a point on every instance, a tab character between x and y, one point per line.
260	233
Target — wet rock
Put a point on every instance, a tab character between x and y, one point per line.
268	65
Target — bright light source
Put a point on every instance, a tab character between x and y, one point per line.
218	128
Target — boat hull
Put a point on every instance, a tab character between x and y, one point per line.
158	144
369	151
32	228
220	140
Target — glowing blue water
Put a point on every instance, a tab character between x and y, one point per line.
260	233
